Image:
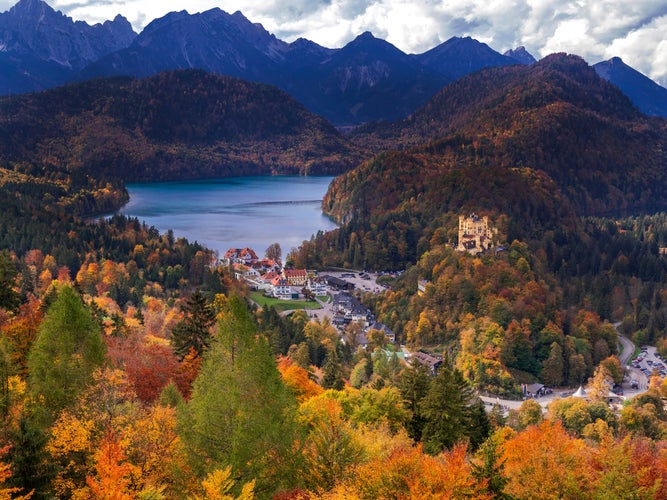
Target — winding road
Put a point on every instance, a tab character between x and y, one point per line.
627	351
628	348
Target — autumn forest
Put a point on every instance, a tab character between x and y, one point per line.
133	365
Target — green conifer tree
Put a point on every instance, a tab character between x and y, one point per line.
450	412
9	298
414	384
66	352
240	412
194	330
333	373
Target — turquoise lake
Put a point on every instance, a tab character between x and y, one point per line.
235	212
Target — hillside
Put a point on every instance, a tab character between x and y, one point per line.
176	125
539	152
556	116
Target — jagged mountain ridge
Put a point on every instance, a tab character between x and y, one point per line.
42	48
213	40
460	56
366	80
521	55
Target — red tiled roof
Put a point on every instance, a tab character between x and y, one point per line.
294	272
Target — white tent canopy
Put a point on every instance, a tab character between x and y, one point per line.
581	393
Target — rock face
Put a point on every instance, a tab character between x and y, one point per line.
649	97
521	55
368	80
213	40
40	48
458	57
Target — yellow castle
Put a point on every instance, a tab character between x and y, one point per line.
475	234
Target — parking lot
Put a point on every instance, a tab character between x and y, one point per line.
362	281
643	365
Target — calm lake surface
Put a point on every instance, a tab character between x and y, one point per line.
235	212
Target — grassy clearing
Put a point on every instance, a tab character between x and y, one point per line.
282	305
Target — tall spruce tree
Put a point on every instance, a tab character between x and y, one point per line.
9	298
67	350
488	465
332	377
193	332
240	412
414	384
553	366
451	413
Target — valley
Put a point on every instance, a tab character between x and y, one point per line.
503	221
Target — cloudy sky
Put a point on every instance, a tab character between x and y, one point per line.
635	30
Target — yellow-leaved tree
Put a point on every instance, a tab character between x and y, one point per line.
218	486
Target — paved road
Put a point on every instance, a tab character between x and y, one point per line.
625	357
628	347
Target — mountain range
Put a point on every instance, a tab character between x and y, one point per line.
41	48
367	80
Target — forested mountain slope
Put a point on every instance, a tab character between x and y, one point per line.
175	125
557	117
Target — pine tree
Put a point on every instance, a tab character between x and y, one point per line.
490	467
240	412
450	412
333	373
5	372
9	298
414	384
66	352
552	368
194	330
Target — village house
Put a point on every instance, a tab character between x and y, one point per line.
280	288
337	283
388	334
296	277
426	359
362	338
263	282
266	265
242	271
475	234
358	314
421	286
348	309
317	287
241	256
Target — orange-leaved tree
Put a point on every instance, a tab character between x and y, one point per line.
113	472
545	462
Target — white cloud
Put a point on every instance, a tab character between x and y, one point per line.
594	29
645	49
